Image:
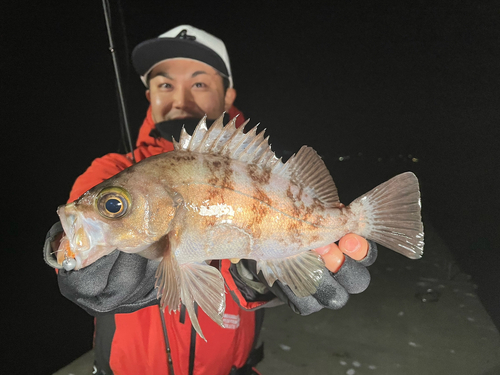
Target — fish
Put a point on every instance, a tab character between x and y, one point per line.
222	193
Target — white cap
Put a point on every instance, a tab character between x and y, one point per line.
183	41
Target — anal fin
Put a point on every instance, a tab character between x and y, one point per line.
302	272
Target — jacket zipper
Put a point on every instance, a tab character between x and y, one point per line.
167	345
193	344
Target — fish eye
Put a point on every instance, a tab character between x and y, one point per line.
113	202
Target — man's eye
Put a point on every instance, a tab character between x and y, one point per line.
165	85
199	85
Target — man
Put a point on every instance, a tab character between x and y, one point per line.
187	75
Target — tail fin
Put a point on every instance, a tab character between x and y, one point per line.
390	215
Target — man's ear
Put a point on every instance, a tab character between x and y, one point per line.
148	96
229	98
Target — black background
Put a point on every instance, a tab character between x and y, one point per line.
370	83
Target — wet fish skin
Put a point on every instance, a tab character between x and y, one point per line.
223	194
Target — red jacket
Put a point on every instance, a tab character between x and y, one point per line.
138	343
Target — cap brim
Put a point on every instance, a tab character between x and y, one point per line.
150	52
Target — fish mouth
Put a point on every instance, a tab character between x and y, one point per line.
84	239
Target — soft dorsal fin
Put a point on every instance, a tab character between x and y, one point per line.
308	170
305	169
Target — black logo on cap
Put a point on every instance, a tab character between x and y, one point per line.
183	35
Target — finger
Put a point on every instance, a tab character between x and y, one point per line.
356	247
353	276
332	256
300	305
331	294
55	243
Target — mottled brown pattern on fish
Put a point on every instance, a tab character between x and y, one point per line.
308	213
213	167
296	212
292	197
209	222
227	179
293	225
289	194
221	173
184	157
294	228
258	174
254	229
317	205
262	196
318	220
299	209
259	211
213	180
215	194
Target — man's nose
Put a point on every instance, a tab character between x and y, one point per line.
182	98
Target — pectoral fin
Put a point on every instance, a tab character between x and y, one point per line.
189	283
301	272
168	282
203	284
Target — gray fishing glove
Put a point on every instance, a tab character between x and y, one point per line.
116	283
335	288
333	291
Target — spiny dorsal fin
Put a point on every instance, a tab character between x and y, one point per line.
250	147
306	168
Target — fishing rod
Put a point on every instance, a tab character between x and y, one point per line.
121	100
69	263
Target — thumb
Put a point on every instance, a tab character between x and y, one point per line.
356	247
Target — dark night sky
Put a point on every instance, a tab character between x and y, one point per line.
386	81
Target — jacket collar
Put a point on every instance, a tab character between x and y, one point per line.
148	136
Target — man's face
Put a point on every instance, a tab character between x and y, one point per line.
183	88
